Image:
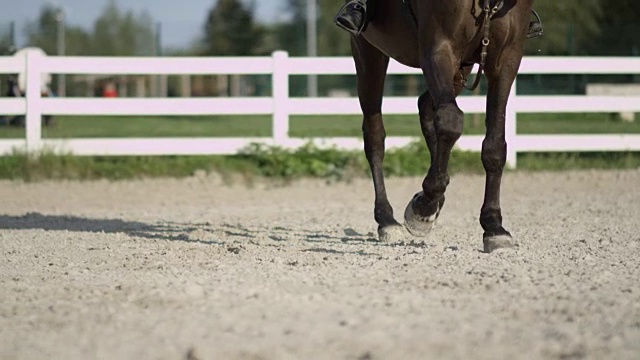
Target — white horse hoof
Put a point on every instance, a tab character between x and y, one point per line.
492	243
391	234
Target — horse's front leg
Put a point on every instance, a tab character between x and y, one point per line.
427	113
494	150
371	67
442	123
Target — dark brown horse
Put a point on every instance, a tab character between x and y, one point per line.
445	41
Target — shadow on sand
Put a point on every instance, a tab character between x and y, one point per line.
320	241
37	221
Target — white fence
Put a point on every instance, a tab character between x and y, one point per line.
281	106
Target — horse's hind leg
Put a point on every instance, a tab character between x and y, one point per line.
442	122
371	68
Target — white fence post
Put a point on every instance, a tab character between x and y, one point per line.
33	123
280	89
511	128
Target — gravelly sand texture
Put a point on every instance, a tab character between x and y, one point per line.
197	269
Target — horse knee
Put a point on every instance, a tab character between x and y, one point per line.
449	122
425	104
494	154
491	219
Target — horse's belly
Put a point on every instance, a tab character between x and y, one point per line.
397	41
408	59
406	55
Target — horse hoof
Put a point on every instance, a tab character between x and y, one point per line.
417	225
492	243
391	234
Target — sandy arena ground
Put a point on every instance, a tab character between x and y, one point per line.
196	269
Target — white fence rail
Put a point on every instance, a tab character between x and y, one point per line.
281	106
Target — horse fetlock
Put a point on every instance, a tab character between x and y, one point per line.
491	221
385	219
425	205
383	211
435	186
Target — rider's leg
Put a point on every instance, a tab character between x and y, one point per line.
355	15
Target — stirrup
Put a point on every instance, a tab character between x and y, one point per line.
535	27
358	5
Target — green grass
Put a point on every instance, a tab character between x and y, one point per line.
404	125
308	161
578	161
306	126
575	123
49	166
275	163
257	161
152	126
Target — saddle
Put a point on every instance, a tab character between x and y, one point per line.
535	26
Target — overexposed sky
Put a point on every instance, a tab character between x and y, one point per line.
182	21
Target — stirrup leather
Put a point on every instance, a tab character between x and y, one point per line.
358	5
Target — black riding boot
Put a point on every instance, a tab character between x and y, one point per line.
535	27
353	16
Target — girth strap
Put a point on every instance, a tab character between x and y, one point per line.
488	12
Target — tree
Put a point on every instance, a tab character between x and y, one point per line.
78	41
620	25
43	32
332	41
114	33
230	29
6	40
570	26
118	33
292	35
